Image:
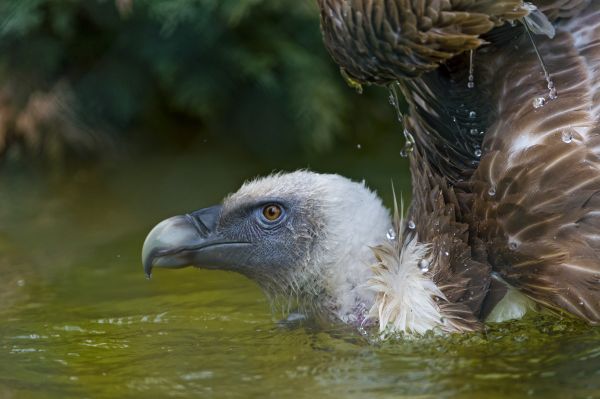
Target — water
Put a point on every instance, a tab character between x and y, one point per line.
80	320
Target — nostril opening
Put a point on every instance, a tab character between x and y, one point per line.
205	220
200	227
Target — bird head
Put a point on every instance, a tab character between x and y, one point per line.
304	237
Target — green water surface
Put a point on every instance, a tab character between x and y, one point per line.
79	320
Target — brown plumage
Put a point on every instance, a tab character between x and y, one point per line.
499	185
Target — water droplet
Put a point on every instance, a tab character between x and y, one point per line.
513	245
358	146
474	132
391	234
472	115
21	283
403	153
392	100
424	265
411	225
446	253
492	191
529	24
477	152
351	82
539	102
567	136
471	82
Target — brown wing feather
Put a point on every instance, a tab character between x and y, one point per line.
555	9
537	189
463	280
380	41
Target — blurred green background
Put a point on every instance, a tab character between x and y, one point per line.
86	81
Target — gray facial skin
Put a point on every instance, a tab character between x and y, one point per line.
236	237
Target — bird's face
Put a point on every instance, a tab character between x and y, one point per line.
300	235
264	237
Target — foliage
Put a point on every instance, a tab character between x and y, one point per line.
87	76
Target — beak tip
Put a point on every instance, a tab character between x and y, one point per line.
147	261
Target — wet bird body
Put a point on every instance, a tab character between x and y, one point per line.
505	212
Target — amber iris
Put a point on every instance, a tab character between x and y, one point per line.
272	212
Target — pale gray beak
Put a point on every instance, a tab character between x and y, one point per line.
191	240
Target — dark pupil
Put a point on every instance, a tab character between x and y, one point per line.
272	212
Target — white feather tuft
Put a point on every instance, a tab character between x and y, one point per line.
405	295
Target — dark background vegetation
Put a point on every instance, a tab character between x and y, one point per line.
89	81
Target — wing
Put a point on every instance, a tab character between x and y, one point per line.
380	41
537	188
463	280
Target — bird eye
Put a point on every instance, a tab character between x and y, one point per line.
272	212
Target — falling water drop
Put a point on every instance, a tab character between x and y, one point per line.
391	234
424	265
474	132
472	114
358	146
513	245
477	152
552	93
492	191
471	82
411	225
567	136
394	100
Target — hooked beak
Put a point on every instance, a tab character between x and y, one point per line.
191	240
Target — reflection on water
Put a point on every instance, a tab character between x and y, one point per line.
80	320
